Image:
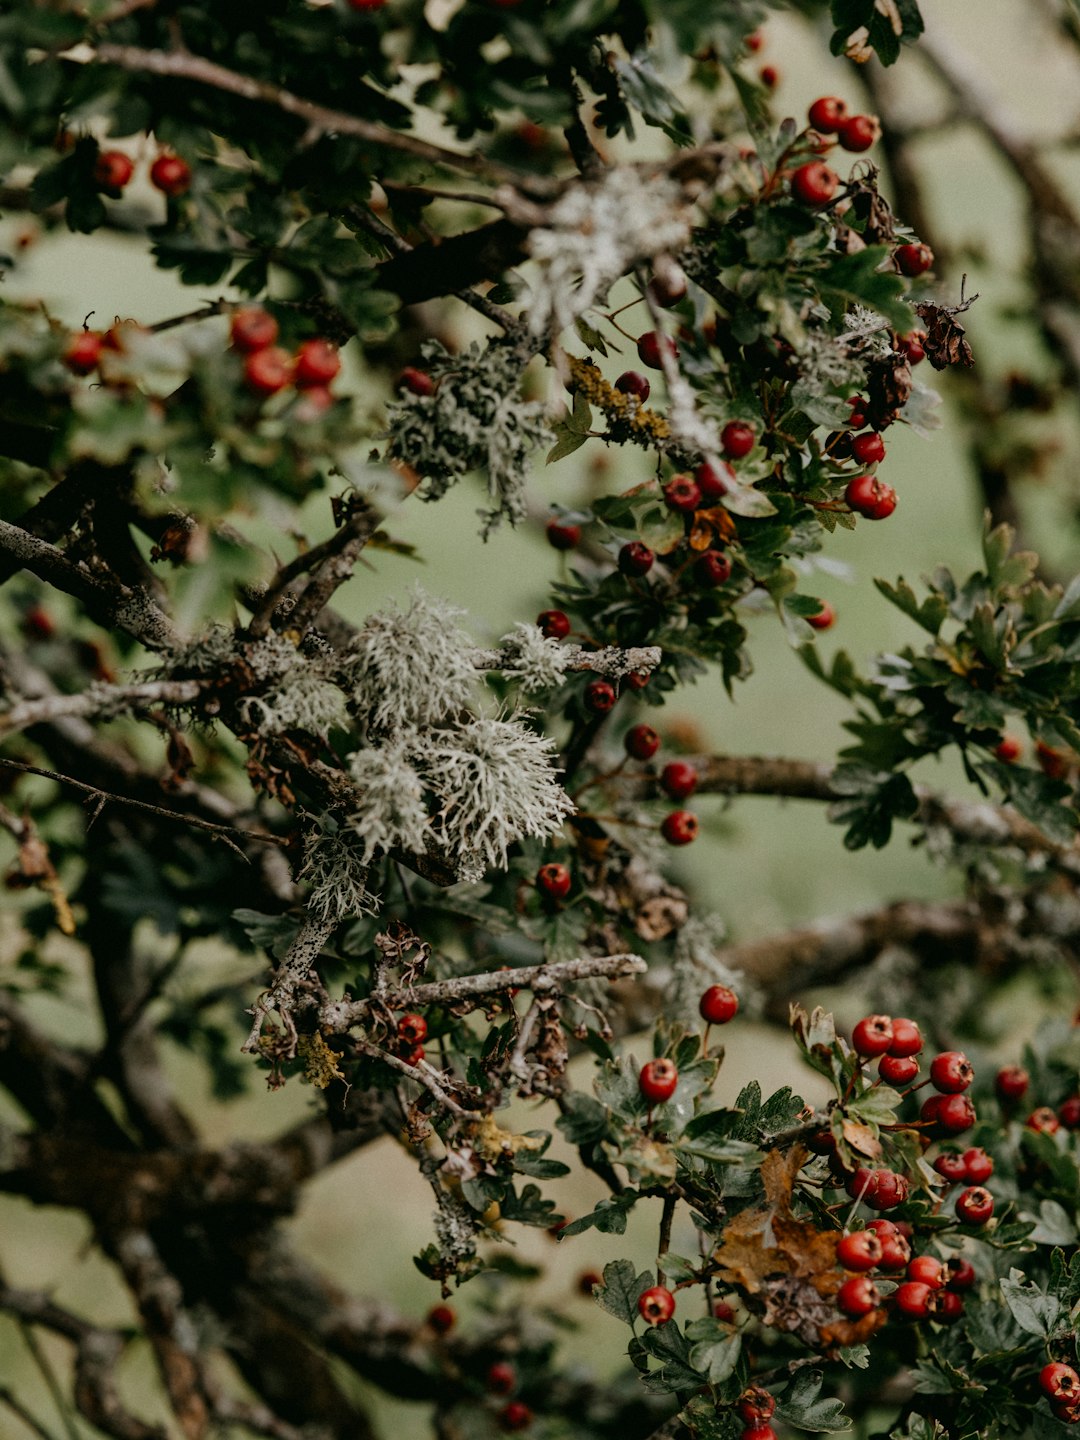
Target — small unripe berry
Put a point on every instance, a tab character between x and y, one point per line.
679	828
317	362
825	618
927	1269
713	569
858	1296
906	1037
171	175
268	371
913	260
649	347
441	1319
815	183
113	169
862	1250
554	880
678	779
827	114
632	382
898	1069
641	742
858	132
681	493
412	1029
868	449
600	696
978	1164
1011	1082
83	352
1060	1382
563	537
515	1416
871	497
636	559
951	1072
718	1005
657	1304
975	1205
872	1036
501	1378
1043	1120
252	328
417	382
555	624
1008	749
960	1274
713	481
912	1299
737	439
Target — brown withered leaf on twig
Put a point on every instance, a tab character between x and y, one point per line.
945	342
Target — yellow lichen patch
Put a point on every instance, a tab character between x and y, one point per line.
320	1062
644	424
491	1142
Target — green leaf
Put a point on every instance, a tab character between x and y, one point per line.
1055	1226
802	1408
645	90
1033	1310
609	1217
846	280
714	1349
583	1119
621	1290
876	1107
930	613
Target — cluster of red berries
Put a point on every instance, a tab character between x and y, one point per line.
411	1033
931	1289
678	780
865	494
755	1407
1011	1085
86	349
113	170
1060	1384
269	368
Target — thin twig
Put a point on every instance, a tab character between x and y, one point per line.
112	699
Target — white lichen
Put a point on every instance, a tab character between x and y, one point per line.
532	659
389	810
304	701
337	873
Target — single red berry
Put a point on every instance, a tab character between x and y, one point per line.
754	41
868	449
561	536
960	1274
737	439
760	1430
718	1005
1008	749
951	1072
657	1081
930	1108
954	1114
952	1166
637	679
413	1056
860	412
975	1205
946	1307
858	132
1067	1414
317	362
641	742
713	568
1053	763
252	328
769	76
515	1416
723	1312
912	260
825	618
171	175
554	880
657	1305
1011	1082
1060	1382
501	1378
679	828
681	493
441	1319
268	371
872	1036
37	624
1069	1112
912	347
895	1250
861	1250
979	1165
636	559
555	624
113	169
83	352
714	481
912	1299
755	1405
366	4
821	1142
588	1280
1043	1120
889	1190
858	1296
417	382
861	1182
678	779
599	696
927	1269
649	347
412	1029
668	289
632	382
906	1037
827	114
815	183
871	497
898	1069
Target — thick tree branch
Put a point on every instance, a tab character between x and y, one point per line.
103	701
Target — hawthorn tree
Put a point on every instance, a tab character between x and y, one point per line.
432	868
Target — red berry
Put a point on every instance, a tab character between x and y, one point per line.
858	1296
413	1056
718	1005
723	1312
861	1250
1067	1414
679	828
632	382
649	347
975	1205
1043	1120
1060	1382
815	183
641	742
951	1072
113	169
1051	762
37	624
637	679
657	1305
554	880
858	132
821	1142
954	1114
682	493
906	1037
754	41
668	289
713	568
825	618
890	1190
868	449
714	482
914	260
515	1416
678	779
960	1274
412	1029
317	362
912	1299
946	1307
912	346
895	1250
979	1165
755	1405
636	559
563	537
555	624
588	1280
827	114
599	696
952	1166
871	497
928	1270
930	1108
252	328
366	4
872	1036
441	1319
268	371
769	76
417	382
859	412
171	175
737	439
1008	749
83	352
1069	1113
1011	1082
501	1378
898	1069
657	1082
